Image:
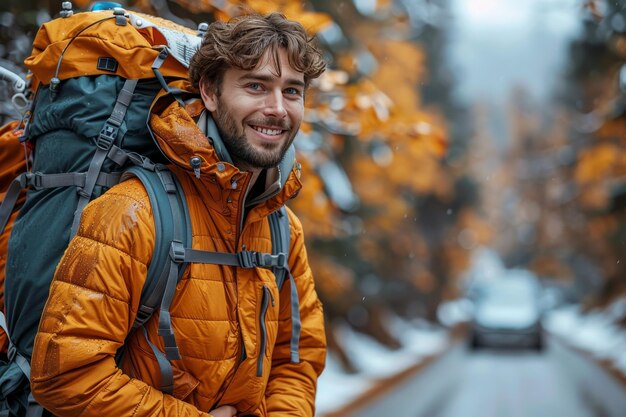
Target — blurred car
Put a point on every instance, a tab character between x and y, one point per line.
507	313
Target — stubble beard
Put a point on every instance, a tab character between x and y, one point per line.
239	147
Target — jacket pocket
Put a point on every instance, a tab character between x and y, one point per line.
266	298
184	384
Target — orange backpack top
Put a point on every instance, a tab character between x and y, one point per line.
93	43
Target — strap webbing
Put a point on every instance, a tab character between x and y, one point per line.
243	259
108	135
118	155
165	321
279	227
38	180
33	409
167	374
22	362
10	198
12	352
206	257
296	324
158	62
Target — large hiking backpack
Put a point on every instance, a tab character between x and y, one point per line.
94	77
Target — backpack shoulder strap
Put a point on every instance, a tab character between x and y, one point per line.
172	234
279	228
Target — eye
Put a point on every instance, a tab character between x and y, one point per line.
255	86
292	91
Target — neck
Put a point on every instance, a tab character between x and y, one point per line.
255	176
245	167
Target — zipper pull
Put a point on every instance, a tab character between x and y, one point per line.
271	296
195	163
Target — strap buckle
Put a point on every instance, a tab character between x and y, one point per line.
177	252
281	260
32	179
37	180
273	261
107	136
143	314
247	259
251	259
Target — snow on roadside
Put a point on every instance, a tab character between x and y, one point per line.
596	332
337	389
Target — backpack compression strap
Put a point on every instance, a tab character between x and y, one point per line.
113	128
39	181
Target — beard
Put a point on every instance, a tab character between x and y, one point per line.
239	146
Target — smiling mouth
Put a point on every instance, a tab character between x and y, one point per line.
268	131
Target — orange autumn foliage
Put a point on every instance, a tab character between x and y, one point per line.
598	163
401	65
226	9
333	280
316	212
550	266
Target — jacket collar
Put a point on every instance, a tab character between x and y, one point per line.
183	133
274	178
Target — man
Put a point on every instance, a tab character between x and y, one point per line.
233	325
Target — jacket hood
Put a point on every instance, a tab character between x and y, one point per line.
183	133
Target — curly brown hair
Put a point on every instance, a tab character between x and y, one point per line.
241	42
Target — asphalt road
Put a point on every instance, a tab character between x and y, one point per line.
494	383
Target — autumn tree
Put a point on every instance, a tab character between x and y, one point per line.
390	215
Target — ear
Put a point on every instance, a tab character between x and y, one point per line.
209	98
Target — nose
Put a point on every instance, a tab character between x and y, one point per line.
275	104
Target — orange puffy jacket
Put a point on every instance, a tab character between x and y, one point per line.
216	312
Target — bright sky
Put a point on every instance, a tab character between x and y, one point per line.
498	44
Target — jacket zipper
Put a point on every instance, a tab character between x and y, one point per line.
267	295
238	232
242	207
244	354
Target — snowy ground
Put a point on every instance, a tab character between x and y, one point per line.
375	362
596	332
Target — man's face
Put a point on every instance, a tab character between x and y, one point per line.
258	112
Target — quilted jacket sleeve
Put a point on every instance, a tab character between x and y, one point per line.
91	306
292	386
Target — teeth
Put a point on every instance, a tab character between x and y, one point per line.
271	132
